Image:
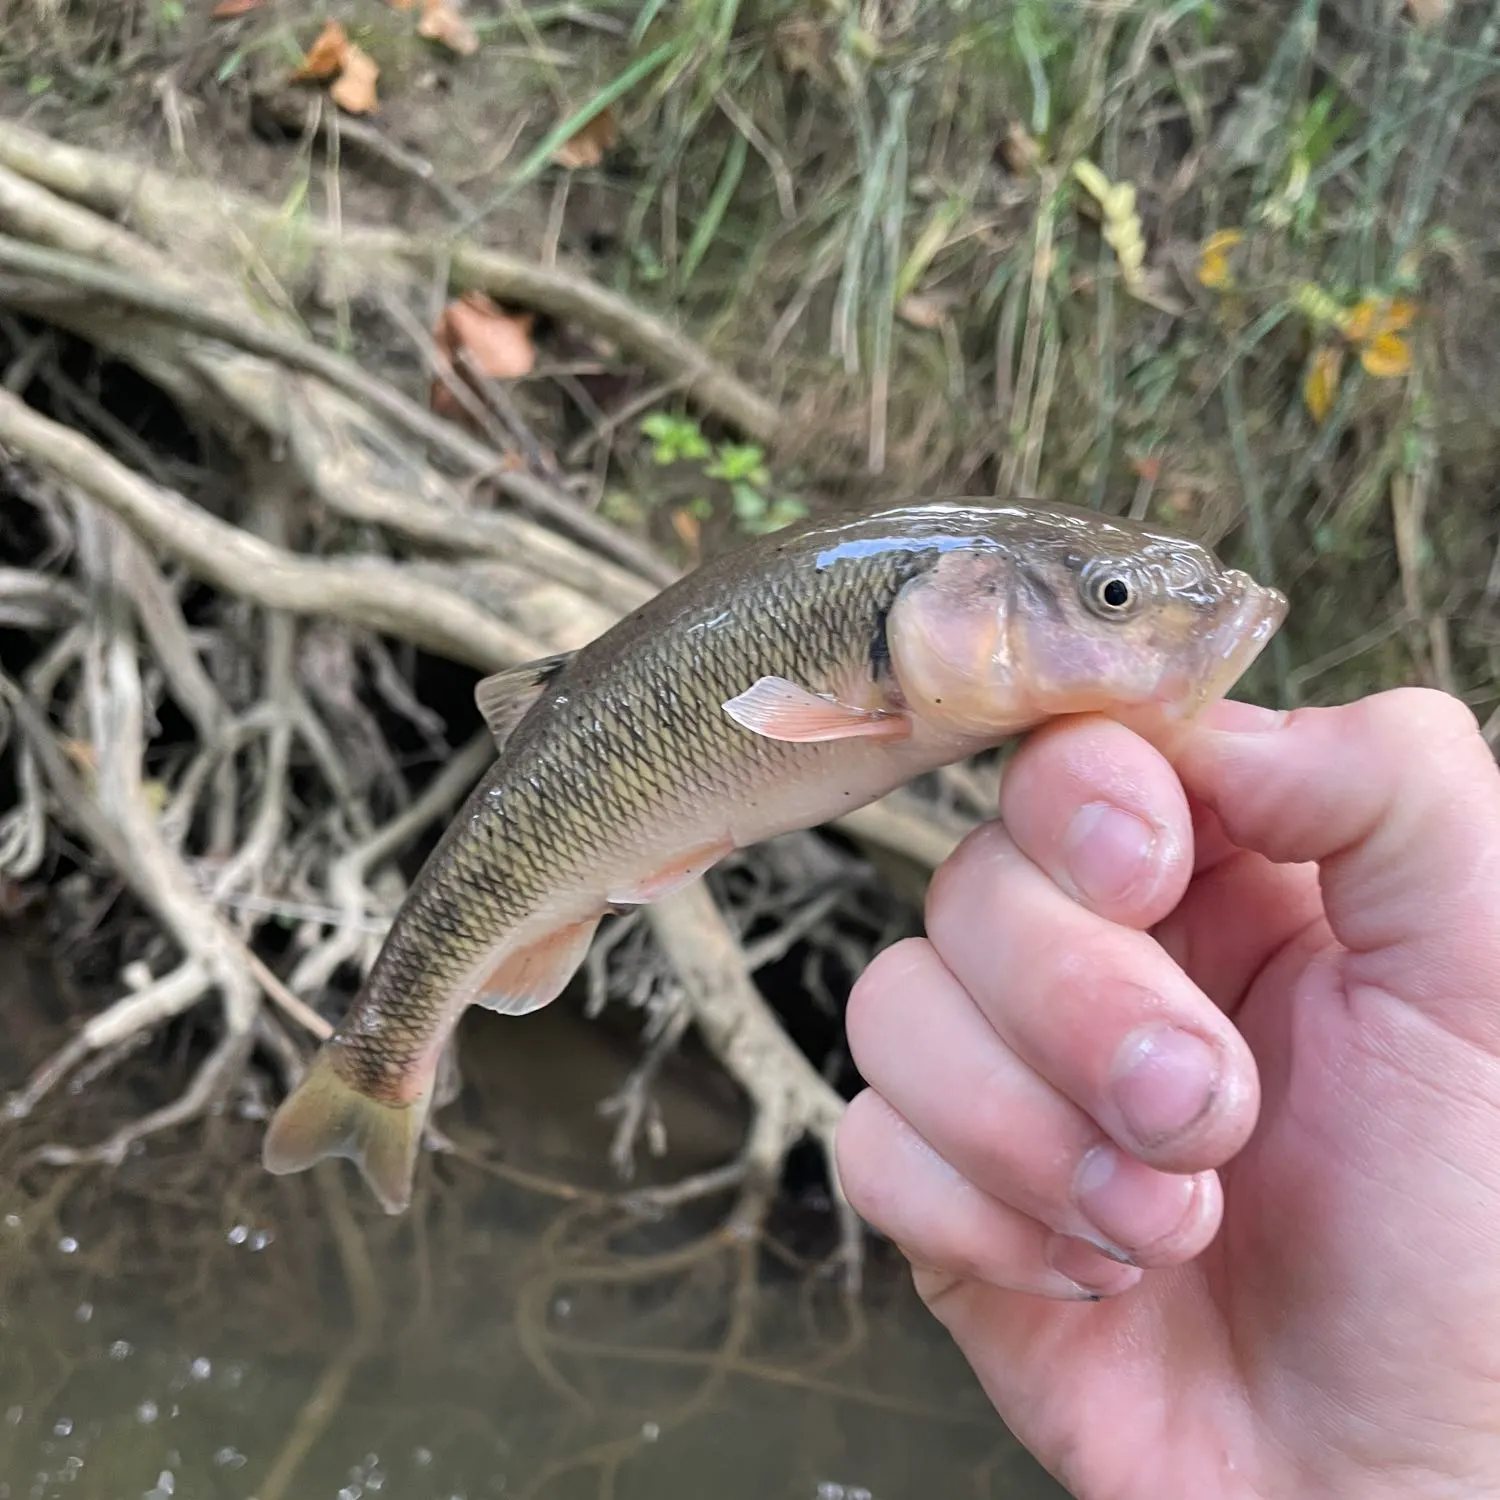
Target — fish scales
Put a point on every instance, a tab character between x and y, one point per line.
606	750
808	671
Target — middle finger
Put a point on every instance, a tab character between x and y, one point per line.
923	1046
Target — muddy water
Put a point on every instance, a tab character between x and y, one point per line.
185	1327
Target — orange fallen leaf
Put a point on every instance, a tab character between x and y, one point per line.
355	89
1322	382
442	23
587	145
226	9
689	530
327	55
1147	467
401	4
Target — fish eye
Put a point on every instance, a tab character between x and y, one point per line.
1111	591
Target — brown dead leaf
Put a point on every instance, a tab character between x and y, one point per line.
401	4
1019	150
804	46
497	343
1427	13
226	9
441	22
922	311
355	89
327	55
587	145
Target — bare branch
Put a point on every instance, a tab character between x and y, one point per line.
375	594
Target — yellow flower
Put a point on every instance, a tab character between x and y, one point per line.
1322	383
1371	317
1213	258
1375	325
1386	355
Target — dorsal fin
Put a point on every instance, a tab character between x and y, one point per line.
504	697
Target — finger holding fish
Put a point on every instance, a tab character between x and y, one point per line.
1044	1048
929	1052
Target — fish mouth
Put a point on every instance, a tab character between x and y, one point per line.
1230	649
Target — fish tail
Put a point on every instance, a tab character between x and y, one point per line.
325	1116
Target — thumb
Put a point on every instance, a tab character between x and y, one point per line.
1397	799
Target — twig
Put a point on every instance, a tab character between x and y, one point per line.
348	877
375	594
32	601
468	454
791	1099
337	464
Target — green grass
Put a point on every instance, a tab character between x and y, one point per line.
888	228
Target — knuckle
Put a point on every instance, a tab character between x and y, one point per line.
963	1255
993	1123
888	975
1428	716
858	1161
953	880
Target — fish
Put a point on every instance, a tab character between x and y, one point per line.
792	678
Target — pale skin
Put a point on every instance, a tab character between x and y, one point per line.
1239	1016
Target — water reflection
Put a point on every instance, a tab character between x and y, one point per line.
186	1326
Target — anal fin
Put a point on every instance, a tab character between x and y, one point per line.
528	978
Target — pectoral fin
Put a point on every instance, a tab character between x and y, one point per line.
504	697
780	710
528	978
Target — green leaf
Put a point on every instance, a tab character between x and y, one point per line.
749	503
739	461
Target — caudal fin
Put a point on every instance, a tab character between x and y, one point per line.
323	1116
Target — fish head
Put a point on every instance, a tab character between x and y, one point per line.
1075	613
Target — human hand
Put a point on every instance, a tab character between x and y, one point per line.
1240	1022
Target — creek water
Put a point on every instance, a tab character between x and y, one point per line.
184	1326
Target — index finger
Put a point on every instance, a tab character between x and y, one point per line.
1103	813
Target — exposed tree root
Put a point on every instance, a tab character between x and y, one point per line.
163	206
350	528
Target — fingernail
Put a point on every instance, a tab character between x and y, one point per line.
1087	1269
1132	1206
1164	1080
1108	852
